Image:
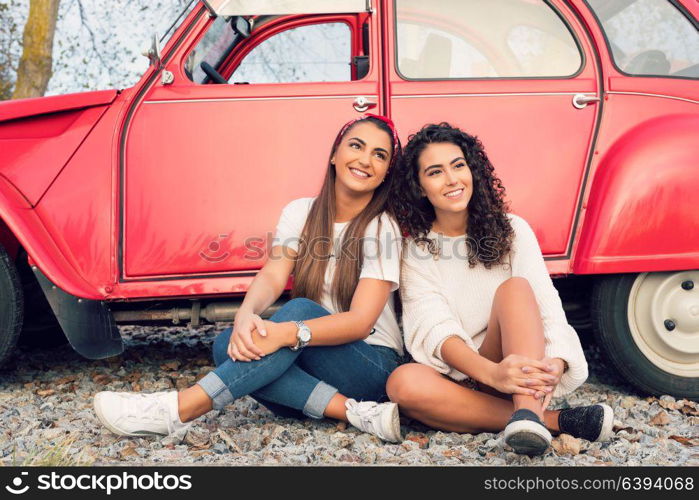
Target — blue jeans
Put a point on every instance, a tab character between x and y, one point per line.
296	383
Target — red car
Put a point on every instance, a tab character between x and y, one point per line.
157	202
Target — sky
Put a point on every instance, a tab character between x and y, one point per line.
99	46
98	43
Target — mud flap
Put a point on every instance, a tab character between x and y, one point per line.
88	324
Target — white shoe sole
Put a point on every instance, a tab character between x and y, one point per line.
391	423
97	405
527	438
607	423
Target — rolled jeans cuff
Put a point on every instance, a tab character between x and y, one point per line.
217	390
318	400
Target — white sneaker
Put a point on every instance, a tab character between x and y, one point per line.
378	419
134	414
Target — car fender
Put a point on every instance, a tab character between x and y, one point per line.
39	136
641	213
27	228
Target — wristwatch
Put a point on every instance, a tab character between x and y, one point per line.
303	336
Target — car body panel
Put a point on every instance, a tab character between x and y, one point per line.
37	140
534	136
86	236
644	196
18	215
211	148
108	220
24	108
638	210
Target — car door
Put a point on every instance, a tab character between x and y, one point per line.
208	167
519	74
647	163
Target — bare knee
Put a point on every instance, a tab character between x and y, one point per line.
408	386
515	284
515	289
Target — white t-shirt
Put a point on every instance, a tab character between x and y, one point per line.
382	257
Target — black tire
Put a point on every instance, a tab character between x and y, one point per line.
11	306
41	328
609	308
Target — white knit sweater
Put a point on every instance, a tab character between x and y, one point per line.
443	298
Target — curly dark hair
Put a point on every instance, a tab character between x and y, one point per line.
489	232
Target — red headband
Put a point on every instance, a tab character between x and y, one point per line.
387	121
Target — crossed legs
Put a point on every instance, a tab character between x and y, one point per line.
514	328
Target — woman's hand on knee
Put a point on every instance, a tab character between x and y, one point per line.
509	377
543	382
241	346
551	378
277	335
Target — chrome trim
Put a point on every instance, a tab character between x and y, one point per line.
362	104
655	95
507	94
224	99
580	101
167	77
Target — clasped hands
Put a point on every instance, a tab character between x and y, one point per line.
517	374
253	338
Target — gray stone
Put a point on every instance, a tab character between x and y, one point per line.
220	448
246	433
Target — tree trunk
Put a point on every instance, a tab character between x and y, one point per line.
34	71
7	29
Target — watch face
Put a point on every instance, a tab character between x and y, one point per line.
304	335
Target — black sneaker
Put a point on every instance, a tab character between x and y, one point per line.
593	423
526	434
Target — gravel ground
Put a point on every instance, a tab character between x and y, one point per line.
46	417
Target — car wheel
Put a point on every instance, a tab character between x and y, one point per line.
11	306
648	327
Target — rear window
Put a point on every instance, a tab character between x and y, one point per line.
649	37
454	39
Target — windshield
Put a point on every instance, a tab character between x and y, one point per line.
170	24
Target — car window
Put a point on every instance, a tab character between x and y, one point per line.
432	52
212	49
544	52
649	37
483	39
314	53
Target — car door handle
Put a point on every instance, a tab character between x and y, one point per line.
581	100
362	104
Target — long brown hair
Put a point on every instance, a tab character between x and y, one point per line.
316	245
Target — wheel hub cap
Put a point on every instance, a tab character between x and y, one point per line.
663	313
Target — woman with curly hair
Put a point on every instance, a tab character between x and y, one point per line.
480	313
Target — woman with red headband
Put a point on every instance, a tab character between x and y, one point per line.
337	340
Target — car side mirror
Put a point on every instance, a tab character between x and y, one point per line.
152	51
